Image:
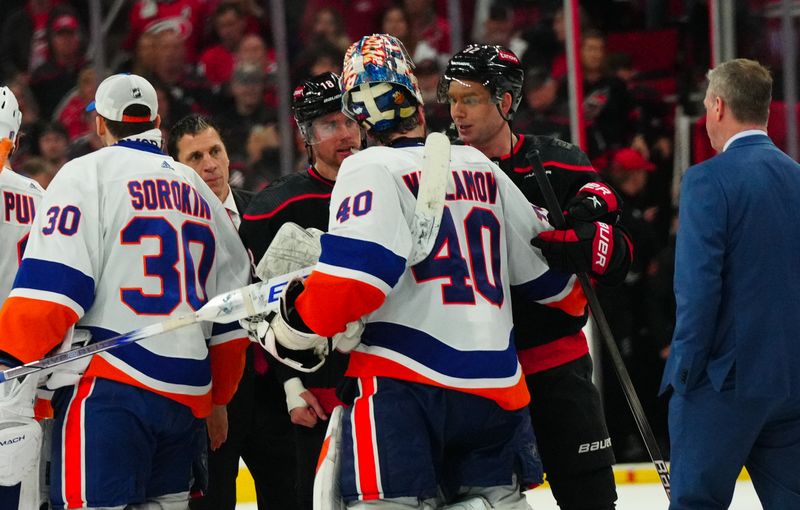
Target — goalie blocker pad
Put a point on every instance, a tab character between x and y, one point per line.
20	445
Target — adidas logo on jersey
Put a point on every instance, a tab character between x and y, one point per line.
166	165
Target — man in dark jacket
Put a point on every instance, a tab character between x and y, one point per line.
253	426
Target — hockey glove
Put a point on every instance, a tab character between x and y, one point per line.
595	201
292	248
596	248
290	340
257	327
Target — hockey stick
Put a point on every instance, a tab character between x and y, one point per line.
605	330
227	307
430	197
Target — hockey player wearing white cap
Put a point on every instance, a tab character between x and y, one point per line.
439	418
20	434
128	237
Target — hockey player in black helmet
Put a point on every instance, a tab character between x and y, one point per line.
303	198
483	85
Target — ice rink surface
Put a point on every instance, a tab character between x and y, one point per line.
631	497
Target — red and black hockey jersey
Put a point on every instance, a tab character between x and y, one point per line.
547	337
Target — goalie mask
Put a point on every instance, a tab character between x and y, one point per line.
494	67
10	116
378	83
314	99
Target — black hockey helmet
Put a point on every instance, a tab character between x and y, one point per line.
315	97
495	67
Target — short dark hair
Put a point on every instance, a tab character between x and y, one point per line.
225	7
403	126
192	124
121	129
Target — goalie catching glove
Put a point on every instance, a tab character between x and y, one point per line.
596	248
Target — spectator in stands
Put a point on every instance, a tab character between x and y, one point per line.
320	59
23	39
329	28
253	12
217	62
188	91
547	41
499	28
361	17
606	103
427	26
184	17
247	109
428	72
395	22
253	50
53	142
72	110
263	161
58	75
170	63
545	109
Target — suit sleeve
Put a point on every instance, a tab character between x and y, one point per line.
699	257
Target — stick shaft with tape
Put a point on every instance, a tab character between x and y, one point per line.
237	304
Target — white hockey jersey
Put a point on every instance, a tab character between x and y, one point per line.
18	205
447	320
127	237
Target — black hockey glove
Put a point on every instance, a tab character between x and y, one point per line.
596	248
595	201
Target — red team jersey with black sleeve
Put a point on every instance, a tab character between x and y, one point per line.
19	200
547	337
126	237
447	320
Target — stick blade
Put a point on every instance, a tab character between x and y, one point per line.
430	196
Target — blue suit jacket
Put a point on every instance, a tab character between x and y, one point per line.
737	273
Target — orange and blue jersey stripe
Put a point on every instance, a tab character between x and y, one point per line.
42	289
351	280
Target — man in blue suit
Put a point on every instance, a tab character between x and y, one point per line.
734	365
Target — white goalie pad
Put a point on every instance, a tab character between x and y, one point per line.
20	444
292	248
17	398
327	495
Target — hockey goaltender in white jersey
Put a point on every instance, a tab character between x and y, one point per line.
438	419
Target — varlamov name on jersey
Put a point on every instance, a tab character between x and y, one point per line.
474	185
155	194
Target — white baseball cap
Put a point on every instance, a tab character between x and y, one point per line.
10	116
120	91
